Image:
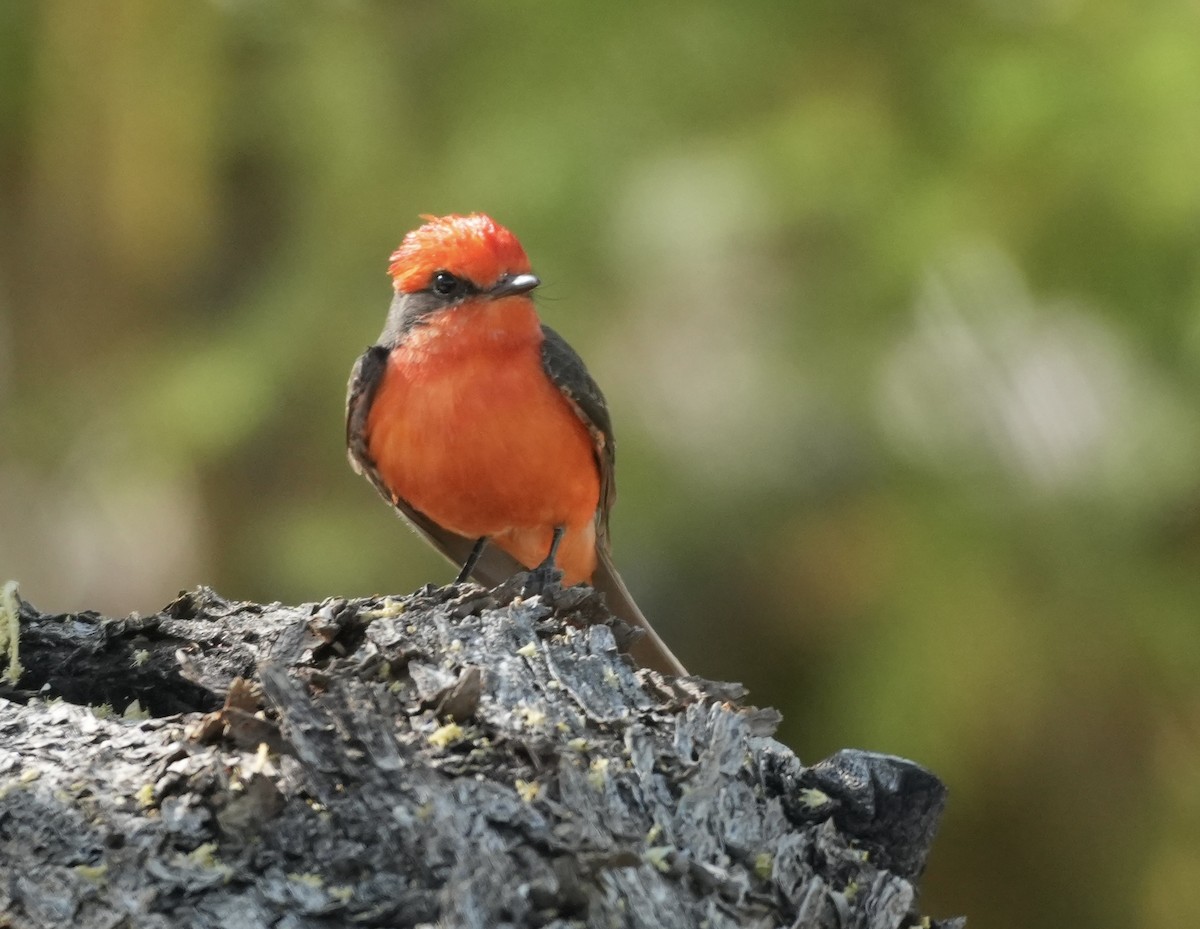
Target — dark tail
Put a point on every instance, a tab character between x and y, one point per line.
649	650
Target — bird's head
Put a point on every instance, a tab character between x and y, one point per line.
450	275
451	258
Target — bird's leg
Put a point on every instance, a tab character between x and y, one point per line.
472	560
546	574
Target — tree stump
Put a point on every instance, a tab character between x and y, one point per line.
460	757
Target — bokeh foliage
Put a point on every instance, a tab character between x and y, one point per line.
897	307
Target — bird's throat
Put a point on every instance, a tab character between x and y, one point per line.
474	327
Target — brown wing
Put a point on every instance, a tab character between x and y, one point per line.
495	566
365	378
566	370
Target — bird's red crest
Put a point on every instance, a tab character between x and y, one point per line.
475	247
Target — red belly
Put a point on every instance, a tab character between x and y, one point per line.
481	442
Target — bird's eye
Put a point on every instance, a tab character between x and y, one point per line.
446	284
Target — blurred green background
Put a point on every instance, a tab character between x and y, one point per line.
897	307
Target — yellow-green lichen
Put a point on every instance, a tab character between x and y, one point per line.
94	874
659	857
812	797
386	610
445	736
135	711
10	631
204	855
598	774
532	717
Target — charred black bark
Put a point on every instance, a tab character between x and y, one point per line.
459	757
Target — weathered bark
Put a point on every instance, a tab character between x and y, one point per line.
460	757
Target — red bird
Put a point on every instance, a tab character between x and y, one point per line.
483	427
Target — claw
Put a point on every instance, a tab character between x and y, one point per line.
546	575
541	579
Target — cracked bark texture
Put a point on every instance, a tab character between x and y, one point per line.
458	758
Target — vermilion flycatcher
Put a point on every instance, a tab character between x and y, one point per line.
483	427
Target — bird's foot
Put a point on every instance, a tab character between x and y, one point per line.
546	577
542	579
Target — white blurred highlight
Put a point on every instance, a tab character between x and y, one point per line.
715	386
988	378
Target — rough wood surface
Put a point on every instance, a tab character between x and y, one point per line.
458	758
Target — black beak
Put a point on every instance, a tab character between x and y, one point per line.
512	284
